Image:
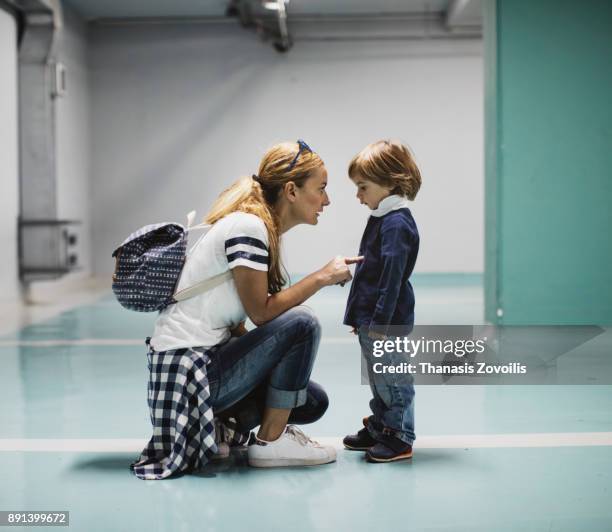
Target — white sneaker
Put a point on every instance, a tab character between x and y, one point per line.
293	448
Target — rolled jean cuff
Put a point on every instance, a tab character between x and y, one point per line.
379	435
405	438
285	398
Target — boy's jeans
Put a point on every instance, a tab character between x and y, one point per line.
392	404
270	366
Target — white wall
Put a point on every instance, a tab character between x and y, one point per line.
73	134
179	111
72	147
9	199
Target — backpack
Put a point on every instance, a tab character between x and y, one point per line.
148	267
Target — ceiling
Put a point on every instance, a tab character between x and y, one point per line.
97	9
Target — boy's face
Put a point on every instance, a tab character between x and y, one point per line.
370	193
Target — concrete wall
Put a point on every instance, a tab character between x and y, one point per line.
73	130
180	111
72	150
9	171
549	183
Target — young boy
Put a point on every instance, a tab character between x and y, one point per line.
381	295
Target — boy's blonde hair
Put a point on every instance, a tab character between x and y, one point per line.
388	163
259	193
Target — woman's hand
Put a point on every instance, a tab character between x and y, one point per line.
261	307
337	270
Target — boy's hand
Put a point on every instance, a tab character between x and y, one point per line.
354	330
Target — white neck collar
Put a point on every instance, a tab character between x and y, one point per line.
390	203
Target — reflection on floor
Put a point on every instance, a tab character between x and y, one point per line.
73	415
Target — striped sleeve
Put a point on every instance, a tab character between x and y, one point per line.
246	244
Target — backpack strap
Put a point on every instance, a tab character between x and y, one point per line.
190	218
206	284
202	286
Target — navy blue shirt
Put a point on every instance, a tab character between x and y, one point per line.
381	293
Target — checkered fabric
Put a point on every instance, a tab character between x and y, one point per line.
183	423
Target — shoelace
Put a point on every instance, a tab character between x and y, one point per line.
300	437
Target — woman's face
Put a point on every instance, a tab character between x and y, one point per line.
311	198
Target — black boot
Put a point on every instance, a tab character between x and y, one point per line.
389	449
361	441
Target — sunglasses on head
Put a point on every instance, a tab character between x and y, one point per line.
302	147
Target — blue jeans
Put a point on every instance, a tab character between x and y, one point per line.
269	366
392	401
248	412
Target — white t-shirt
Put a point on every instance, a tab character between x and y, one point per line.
238	239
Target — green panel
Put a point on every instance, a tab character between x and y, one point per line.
552	174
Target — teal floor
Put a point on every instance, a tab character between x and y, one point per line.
88	391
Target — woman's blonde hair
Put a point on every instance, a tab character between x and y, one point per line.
258	195
388	163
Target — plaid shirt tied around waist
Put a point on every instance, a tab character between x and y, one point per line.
184	426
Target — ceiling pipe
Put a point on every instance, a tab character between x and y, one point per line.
269	18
